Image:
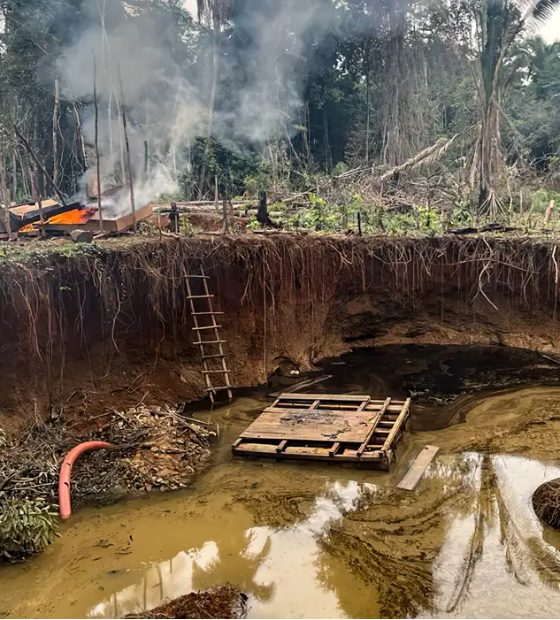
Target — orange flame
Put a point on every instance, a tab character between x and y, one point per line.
77	216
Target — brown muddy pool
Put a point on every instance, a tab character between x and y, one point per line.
305	541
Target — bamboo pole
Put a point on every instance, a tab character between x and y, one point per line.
97	162
127	150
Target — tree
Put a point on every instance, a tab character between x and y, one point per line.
499	25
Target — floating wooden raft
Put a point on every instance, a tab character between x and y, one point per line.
327	427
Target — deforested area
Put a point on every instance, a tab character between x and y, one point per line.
279	287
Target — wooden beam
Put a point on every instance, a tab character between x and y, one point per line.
282	446
334	450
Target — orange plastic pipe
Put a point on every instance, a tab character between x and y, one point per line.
66	470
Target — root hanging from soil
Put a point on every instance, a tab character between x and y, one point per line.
56	305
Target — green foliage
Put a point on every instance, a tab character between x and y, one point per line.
542	198
27	527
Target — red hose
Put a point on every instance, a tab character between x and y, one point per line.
66	470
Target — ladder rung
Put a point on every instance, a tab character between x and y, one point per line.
199	342
216	372
200	296
200	277
383	431
206	313
223	387
208	357
199	329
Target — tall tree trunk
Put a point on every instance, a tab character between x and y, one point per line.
56	116
5	197
212	101
97	160
14	175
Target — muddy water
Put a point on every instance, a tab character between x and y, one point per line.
307	541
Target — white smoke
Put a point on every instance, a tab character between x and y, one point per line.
260	85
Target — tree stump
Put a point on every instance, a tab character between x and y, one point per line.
546	502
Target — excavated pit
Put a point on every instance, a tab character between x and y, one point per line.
455	324
87	328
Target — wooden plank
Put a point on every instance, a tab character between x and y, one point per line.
418	468
237	442
328	397
207	313
302	384
364	445
205	327
215	372
306	453
282	446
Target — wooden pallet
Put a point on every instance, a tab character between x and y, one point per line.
209	335
327	427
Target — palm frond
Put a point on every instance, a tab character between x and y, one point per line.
540	10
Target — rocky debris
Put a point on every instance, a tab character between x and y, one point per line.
225	601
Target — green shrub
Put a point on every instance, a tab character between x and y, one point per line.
27	527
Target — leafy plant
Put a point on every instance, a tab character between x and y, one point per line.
27	527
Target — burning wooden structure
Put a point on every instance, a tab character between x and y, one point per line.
80	217
328	427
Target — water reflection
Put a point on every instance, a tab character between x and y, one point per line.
280	568
494	561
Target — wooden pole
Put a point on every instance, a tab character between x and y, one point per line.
56	114
41	217
359	223
39	165
97	162
127	150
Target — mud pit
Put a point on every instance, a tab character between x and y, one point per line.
311	541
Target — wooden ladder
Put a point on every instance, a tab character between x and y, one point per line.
213	357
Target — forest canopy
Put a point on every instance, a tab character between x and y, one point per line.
457	98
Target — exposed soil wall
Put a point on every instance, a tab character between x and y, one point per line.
81	328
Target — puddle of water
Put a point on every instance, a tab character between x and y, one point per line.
306	541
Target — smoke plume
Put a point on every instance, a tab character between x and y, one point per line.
162	59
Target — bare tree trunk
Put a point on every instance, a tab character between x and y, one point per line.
14	176
56	115
81	140
212	102
97	162
127	147
5	197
